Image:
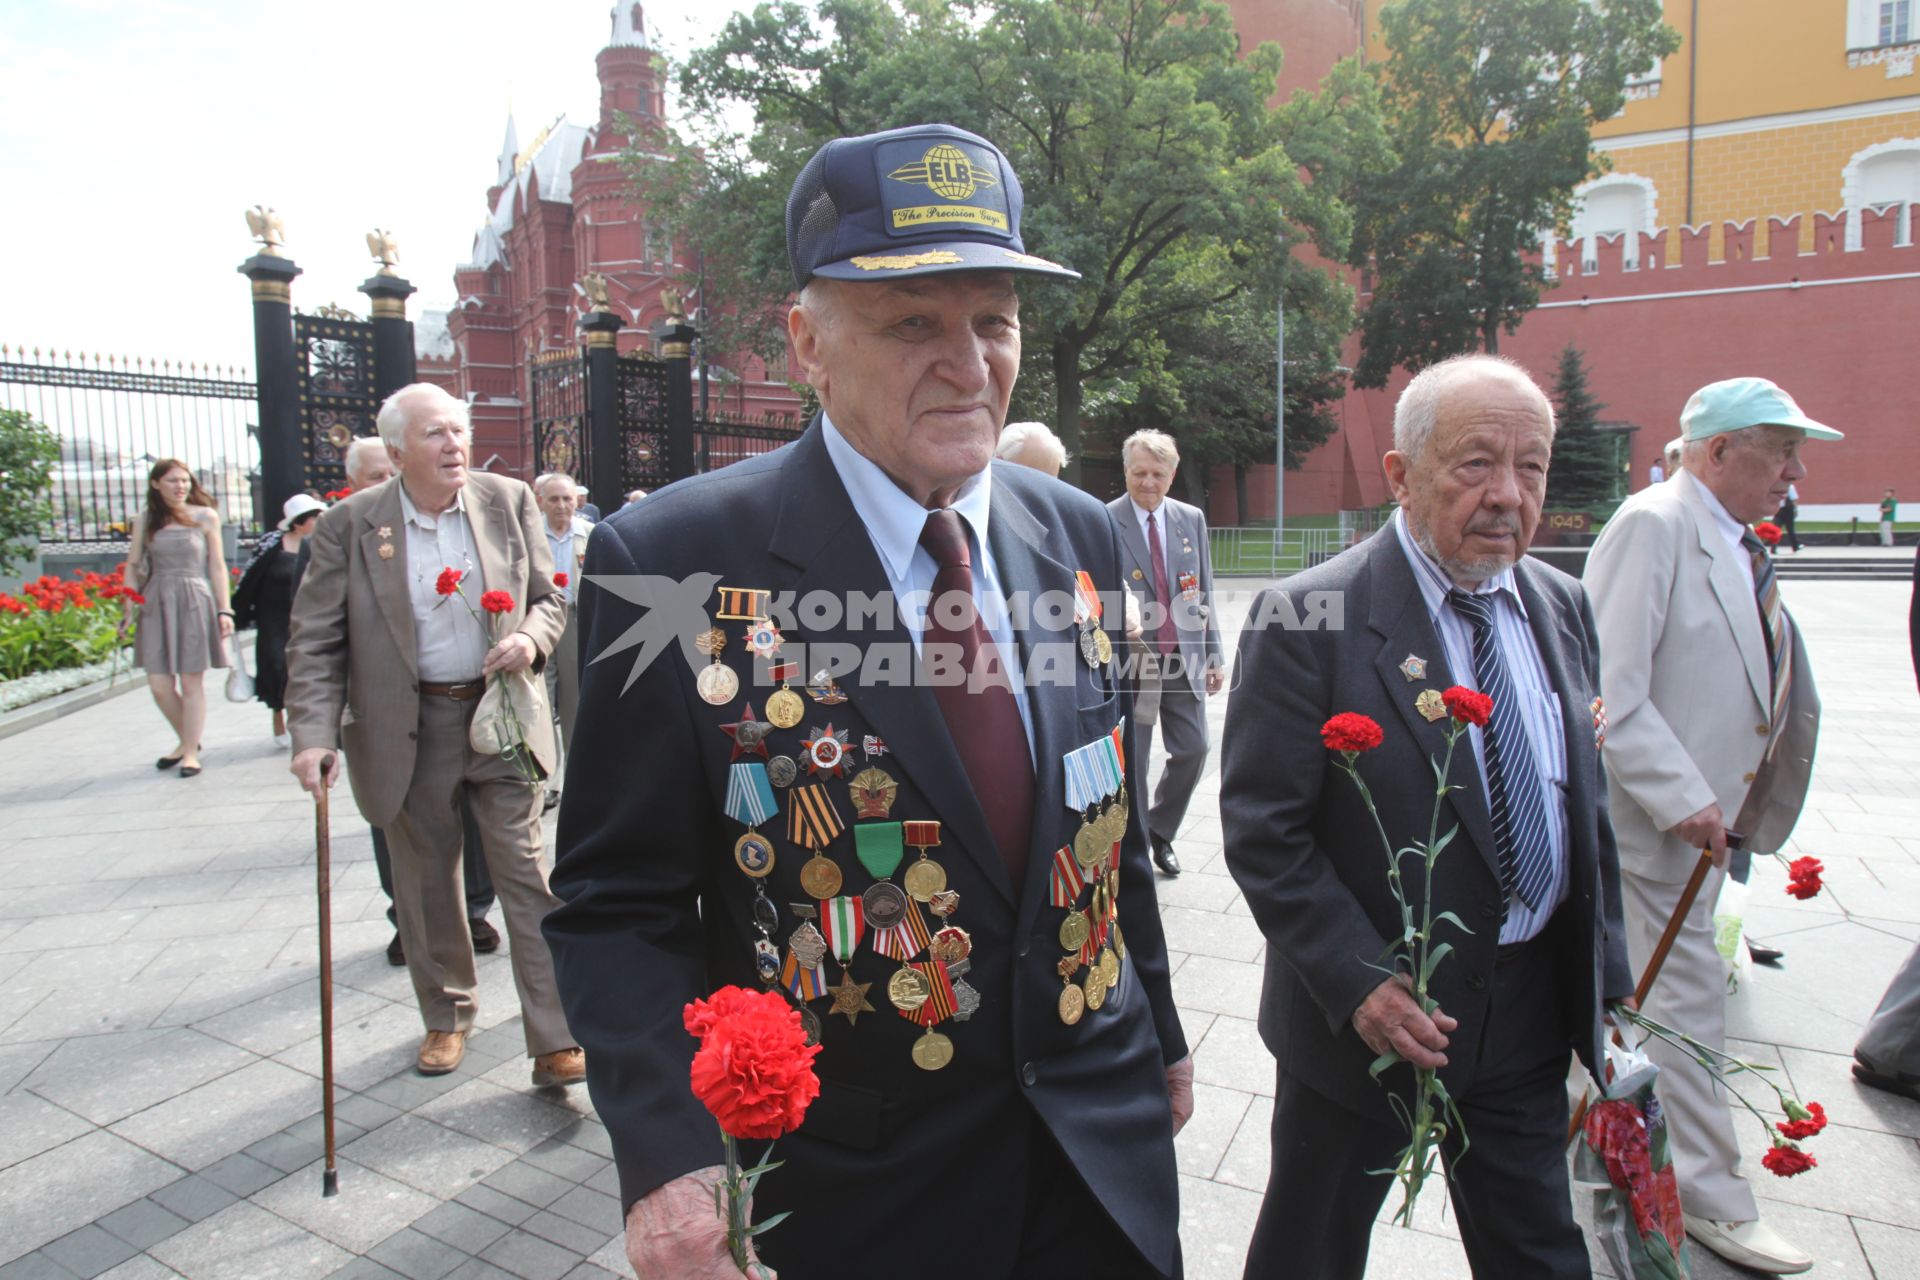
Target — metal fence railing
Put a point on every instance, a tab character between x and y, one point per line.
116	416
1256	552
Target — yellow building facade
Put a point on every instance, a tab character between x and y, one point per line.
1769	108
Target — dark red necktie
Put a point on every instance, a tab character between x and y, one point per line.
980	710
1166	639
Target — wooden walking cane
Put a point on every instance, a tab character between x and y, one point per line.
330	1177
1659	957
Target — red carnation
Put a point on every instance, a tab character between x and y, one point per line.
1469	706
559	579
1783	1160
334	495
1803	877
1351	732
754	1068
496	601
448	582
1802	1122
1768	532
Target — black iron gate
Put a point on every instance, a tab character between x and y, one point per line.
646	460
338	397
560	436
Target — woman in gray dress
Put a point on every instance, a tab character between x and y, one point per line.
177	565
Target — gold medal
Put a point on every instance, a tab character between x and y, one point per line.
907	989
1104	643
386	551
717	684
951	945
820	877
932	1051
873	792
1109	967
925	878
1094	988
1074	931
1073	1004
1089	845
1116	941
785	709
754	853
1431	705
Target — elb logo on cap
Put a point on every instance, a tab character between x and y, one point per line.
967	187
908	202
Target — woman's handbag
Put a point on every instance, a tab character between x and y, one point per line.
239	682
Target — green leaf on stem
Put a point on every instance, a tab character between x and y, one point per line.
1447	917
769	1224
1434	957
1382	1062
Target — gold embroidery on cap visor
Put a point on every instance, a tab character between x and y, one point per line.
905	261
1028	260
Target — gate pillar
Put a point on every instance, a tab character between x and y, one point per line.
604	446
272	273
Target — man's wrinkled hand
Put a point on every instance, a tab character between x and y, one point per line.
1216	679
1706	829
306	767
675	1232
1390	1019
515	653
1180	1092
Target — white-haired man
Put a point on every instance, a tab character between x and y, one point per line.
567	533
1443	595
389	656
1713	718
1169	571
1032	444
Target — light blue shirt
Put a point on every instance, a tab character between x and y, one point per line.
894	521
1539	705
452	643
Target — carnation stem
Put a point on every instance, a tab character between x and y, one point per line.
736	1204
1704	1056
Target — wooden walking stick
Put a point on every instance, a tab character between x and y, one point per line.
330	1178
1659	956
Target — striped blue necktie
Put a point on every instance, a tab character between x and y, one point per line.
1513	774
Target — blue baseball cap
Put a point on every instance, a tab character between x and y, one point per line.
917	201
1739	403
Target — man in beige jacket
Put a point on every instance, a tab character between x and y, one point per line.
1710	719
388	665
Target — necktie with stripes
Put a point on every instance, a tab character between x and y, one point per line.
1773	620
1513	774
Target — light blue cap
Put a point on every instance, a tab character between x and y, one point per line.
1739	403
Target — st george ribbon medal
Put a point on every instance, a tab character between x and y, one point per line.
812	823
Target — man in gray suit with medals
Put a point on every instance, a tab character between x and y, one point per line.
1177	653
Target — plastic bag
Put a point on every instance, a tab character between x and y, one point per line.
1625	1160
1729	924
239	683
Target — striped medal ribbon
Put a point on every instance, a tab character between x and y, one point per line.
812	822
1066	879
844	922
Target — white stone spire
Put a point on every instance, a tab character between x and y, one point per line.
509	151
629	28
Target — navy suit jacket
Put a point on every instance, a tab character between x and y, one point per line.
1309	860
892	1161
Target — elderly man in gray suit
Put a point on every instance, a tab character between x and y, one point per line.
1177	652
1713	717
390	665
1441	596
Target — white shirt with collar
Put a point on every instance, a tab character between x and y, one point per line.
451	640
1540	708
894	522
561	545
1730	529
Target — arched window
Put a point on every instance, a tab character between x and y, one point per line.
1622	204
1887	173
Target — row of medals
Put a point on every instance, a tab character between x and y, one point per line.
883	904
1094	849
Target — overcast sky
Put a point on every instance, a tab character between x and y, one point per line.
136	133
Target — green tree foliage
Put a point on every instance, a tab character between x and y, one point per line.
1150	159
1490	106
1583	458
28	452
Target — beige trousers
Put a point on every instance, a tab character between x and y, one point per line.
1691	996
429	895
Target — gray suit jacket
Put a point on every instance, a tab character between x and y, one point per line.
1688	685
1184	538
1307	855
353	659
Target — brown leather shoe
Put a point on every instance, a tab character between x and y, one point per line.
559	1069
441	1052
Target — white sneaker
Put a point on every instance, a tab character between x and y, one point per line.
1753	1245
282	741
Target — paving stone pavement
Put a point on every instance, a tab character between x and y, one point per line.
159	1058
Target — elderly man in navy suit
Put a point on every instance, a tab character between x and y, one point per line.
1002	1067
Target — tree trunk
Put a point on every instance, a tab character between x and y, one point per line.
1490	333
1066	405
1240	493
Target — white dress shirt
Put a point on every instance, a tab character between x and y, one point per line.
1540	709
451	639
1730	529
894	521
561	545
